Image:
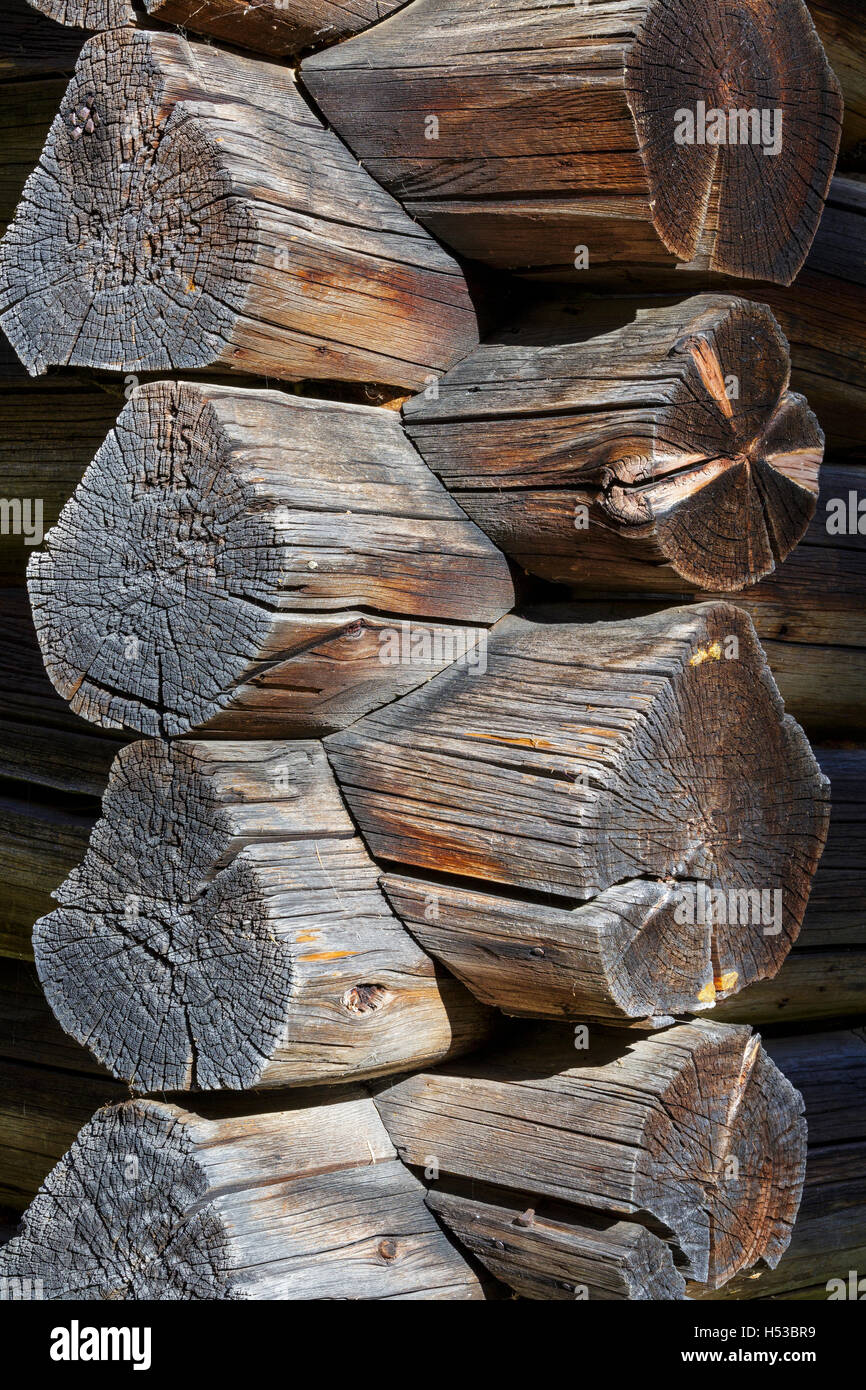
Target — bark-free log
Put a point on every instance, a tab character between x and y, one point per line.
189	209
29	1032
41	841
694	1132
246	560
92	15
26	112
31	44
625	770
250	944
664	451
278	27
840	29
638	132
153	1202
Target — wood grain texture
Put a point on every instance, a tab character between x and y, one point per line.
29	1032
41	841
249	944
300	1202
555	129
279	27
189	209
585	759
31	44
238	559
630	447
840	29
646	1131
92	15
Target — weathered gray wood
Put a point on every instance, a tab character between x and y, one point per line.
26	112
555	129
189	209
87	14
585	759
247	561
693	1133
29	1032
630	447
278	27
305	1202
250	944
811	985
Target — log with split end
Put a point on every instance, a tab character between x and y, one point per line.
635	820
189	209
600	136
226	930
693	1134
621	446
257	563
307	1201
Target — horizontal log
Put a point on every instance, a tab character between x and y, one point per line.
31	44
278	27
306	1202
190	210
836	915
810	986
611	775
40	843
30	1034
246	561
840	29
26	112
630	447
527	135
251	944
693	1132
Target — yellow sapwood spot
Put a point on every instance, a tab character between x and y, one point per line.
727	981
711	653
329	955
707	994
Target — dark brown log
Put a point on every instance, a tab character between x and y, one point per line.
613	774
278	27
29	1032
250	944
247	561
26	112
31	44
633	448
840	29
836	915
307	1202
693	1133
189	210
40	843
523	135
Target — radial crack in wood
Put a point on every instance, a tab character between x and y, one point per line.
585	758
306	1202
249	561
630	447
694	1133
190	209
580	137
226	930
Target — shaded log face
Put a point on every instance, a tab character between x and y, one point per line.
168	226
589	136
665	454
278	27
589	756
226	929
219	534
87	14
694	1131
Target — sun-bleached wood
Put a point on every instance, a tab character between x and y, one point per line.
189	209
693	1131
247	560
608	773
301	1202
277	27
521	134
630	447
250	945
92	15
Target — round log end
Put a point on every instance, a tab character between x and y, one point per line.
130	249
739	119
92	15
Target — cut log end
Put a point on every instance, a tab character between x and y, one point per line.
92	15
747	196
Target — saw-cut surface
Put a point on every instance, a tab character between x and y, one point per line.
190	209
629	447
249	944
547	136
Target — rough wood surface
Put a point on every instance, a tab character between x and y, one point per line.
555	129
30	1033
250	945
307	1202
26	112
278	27
41	841
87	14
189	209
585	761
238	559
840	29
694	1132
630	447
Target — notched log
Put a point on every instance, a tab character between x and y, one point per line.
665	453
190	209
250	562
226	930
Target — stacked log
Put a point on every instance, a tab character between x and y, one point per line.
608	143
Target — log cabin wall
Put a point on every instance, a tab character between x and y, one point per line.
430	549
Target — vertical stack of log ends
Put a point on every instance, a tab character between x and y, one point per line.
393	879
